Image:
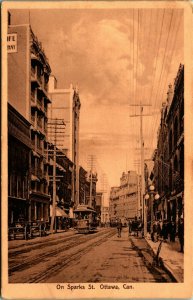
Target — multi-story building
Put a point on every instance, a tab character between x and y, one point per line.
104	214
28	76
124	200
91	184
19	151
63	181
99	201
113	202
169	155
66	106
175	159
83	186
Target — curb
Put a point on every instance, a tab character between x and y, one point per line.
164	265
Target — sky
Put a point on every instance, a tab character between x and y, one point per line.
118	59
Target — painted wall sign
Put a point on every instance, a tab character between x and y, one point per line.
12	43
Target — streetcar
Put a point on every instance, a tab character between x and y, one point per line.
86	219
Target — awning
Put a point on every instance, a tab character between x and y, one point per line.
57	165
59	212
176	196
84	208
34	178
35	154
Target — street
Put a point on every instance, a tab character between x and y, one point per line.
71	257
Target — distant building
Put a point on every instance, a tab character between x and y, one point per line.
83	186
105	215
28	76
124	200
91	185
66	106
99	200
64	169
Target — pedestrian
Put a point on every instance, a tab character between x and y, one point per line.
119	228
164	231
130	227
172	231
155	231
181	234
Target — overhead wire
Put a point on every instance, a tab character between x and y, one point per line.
171	58
157	50
163	61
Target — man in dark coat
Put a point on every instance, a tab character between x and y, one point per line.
181	234
119	228
164	231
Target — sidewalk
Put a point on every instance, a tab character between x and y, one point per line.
172	259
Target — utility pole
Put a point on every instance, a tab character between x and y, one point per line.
56	127
137	165
141	115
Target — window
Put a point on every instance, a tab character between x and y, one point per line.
170	142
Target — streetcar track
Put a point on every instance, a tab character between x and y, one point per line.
33	261
51	242
65	260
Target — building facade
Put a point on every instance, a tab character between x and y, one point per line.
105	215
19	151
169	155
83	186
28	76
99	201
124	200
66	106
63	173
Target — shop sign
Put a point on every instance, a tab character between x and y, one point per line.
12	43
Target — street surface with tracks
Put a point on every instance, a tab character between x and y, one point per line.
75	258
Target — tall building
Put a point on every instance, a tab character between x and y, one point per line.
83	186
28	76
66	106
99	202
169	155
124	200
104	214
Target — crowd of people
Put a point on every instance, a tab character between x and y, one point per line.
168	231
165	230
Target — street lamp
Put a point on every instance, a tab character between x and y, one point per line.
152	195
145	214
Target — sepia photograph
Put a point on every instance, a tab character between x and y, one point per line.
95	196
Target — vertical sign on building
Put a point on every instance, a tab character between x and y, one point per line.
12	43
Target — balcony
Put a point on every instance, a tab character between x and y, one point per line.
39	172
33	120
35	77
33	144
33	171
39	123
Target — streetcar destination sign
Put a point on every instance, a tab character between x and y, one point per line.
12	43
